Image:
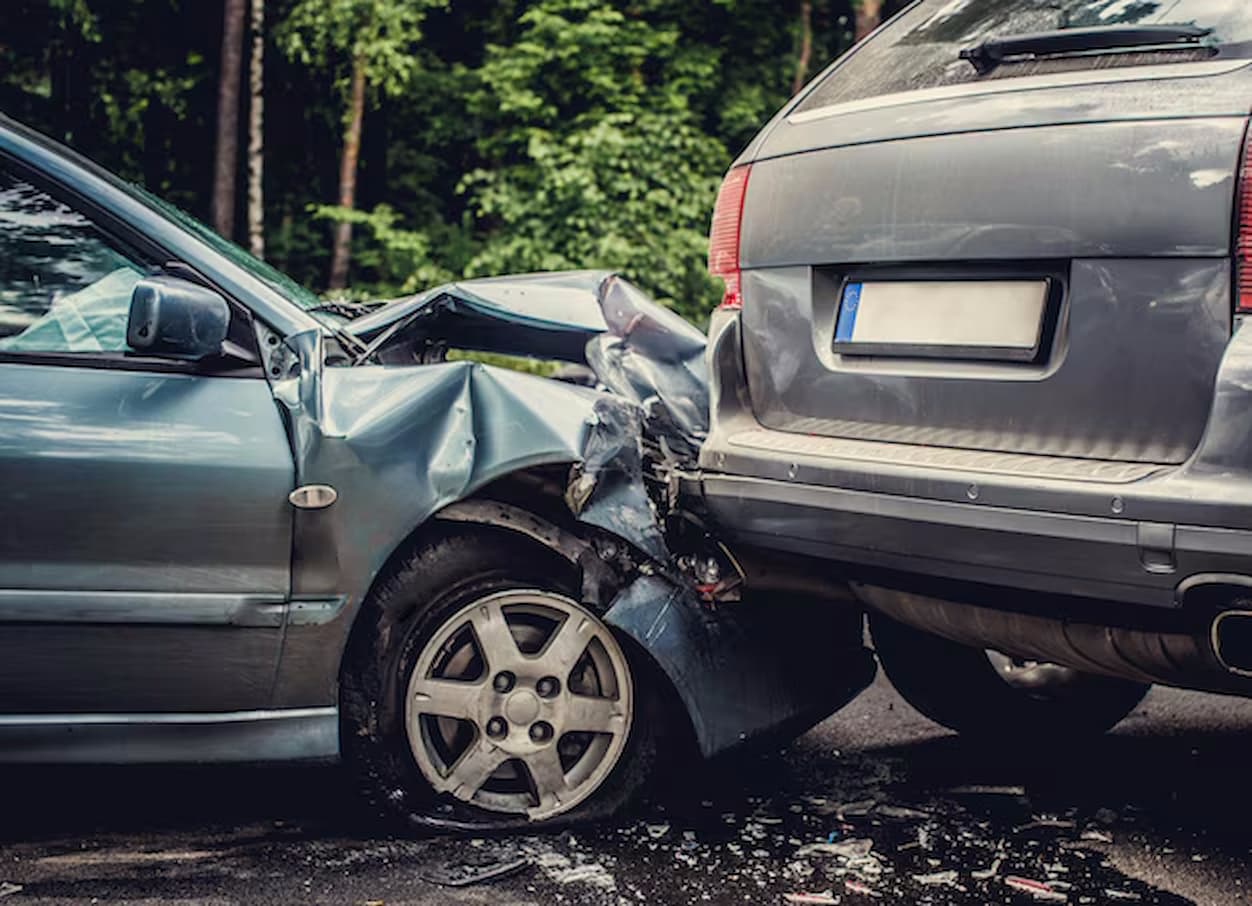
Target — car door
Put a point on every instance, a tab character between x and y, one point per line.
145	533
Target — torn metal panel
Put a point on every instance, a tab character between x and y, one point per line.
777	665
542	315
639	350
599	579
606	487
654	358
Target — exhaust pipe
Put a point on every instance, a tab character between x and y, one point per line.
1231	636
1222	662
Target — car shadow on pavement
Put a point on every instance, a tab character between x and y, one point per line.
59	800
1193	777
922	814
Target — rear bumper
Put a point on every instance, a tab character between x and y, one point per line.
1107	532
1078	556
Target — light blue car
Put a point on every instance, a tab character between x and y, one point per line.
239	524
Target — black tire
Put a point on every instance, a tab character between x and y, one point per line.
437	578
960	688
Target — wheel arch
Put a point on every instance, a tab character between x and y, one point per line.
719	671
529	505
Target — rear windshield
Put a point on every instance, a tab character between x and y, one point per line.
920	48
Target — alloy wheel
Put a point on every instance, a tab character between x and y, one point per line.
520	702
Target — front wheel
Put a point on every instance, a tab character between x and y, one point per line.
984	693
479	692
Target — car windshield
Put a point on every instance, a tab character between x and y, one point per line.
268	274
921	47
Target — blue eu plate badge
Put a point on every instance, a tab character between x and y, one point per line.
847	312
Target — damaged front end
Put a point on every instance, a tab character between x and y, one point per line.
590	463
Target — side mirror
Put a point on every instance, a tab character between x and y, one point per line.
176	318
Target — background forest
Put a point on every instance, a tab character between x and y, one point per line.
373	147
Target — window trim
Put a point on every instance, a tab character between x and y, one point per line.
1147	73
153	255
126	361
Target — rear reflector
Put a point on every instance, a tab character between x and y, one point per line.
724	234
1243	236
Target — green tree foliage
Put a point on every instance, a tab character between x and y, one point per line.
592	153
376	39
331	35
498	135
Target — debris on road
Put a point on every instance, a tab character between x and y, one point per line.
854	848
1038	889
858	887
8	888
901	812
986	874
474	871
657	831
980	789
825	897
575	868
947	878
590	873
846	810
1045	824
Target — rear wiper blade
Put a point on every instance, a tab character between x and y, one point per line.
991	53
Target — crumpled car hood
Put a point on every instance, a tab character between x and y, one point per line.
548	315
636	348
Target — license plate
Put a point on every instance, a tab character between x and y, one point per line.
979	319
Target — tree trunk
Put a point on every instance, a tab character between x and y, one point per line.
226	158
868	16
347	175
806	46
256	134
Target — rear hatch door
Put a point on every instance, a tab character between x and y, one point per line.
1031	259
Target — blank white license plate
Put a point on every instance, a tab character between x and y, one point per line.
986	319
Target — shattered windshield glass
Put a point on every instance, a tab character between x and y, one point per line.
920	49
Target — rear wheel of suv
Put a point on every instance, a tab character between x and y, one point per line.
478	692
985	693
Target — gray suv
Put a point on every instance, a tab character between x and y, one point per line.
981	354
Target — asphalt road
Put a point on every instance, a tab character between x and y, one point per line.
1157	812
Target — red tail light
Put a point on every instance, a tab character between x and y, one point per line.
724	234
1243	235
